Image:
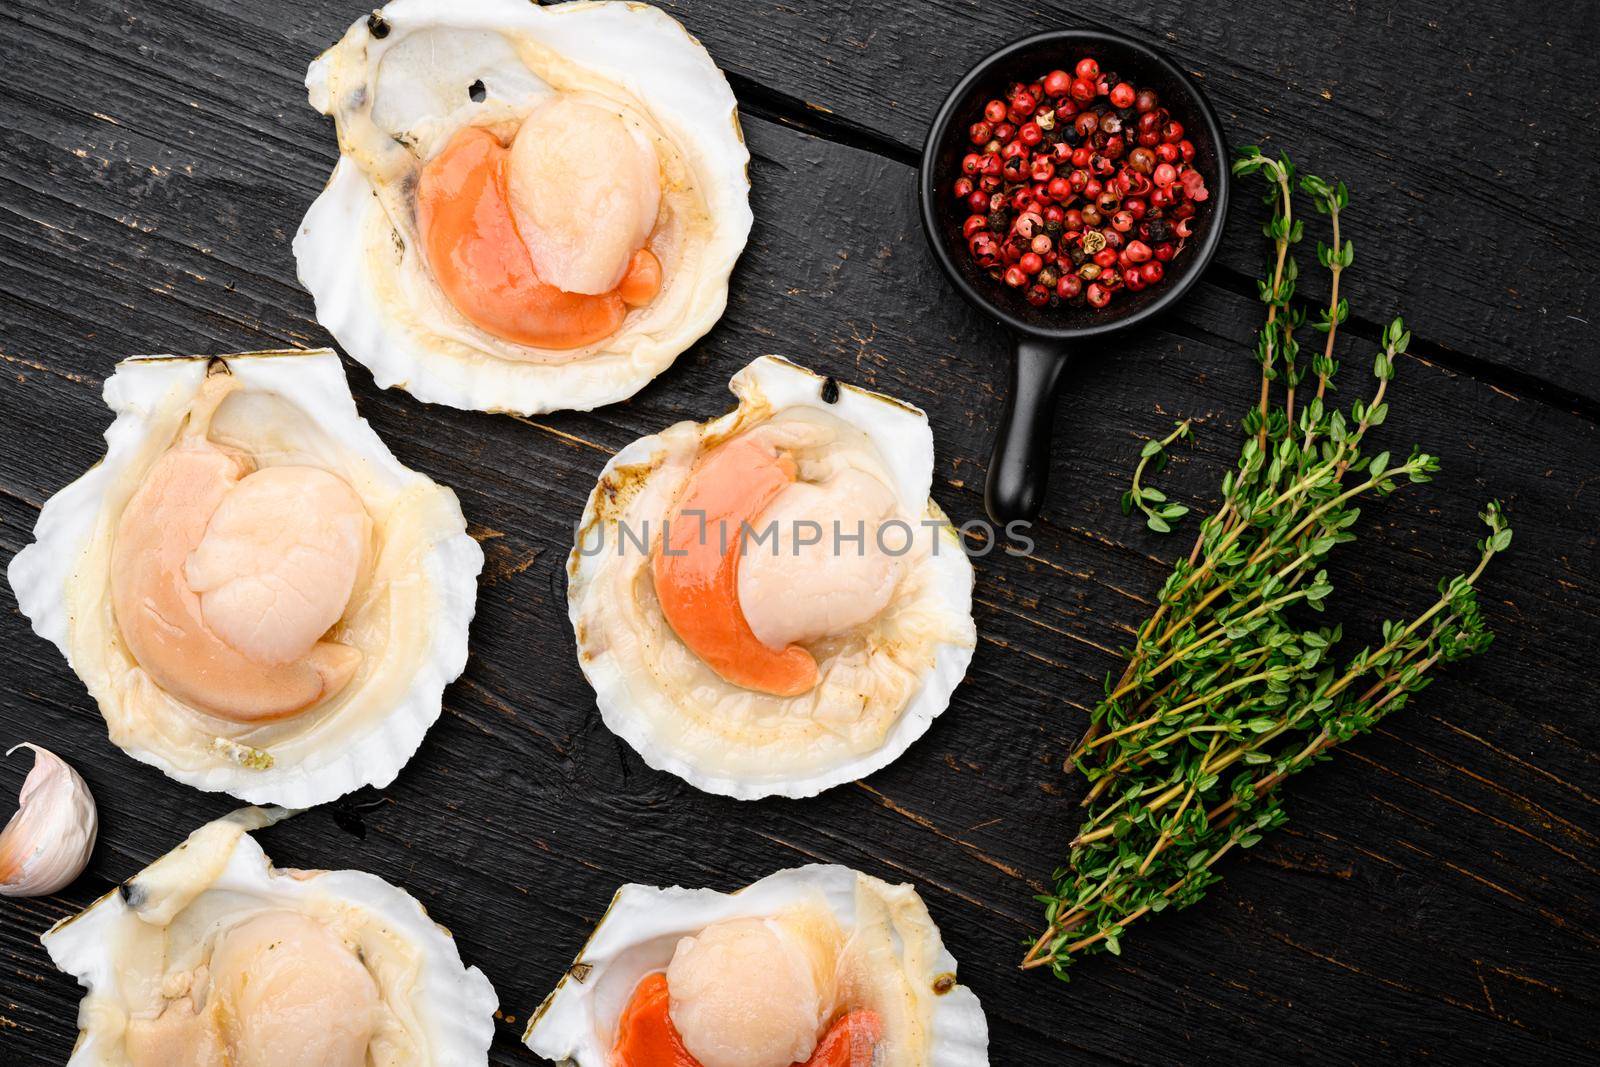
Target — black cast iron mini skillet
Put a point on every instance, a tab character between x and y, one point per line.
1043	337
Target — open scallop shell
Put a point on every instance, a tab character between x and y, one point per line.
650	59
454	1005
575	1024
61	584
636	709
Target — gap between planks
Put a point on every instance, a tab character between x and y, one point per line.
784	109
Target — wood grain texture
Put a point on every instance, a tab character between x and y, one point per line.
1436	890
1458	126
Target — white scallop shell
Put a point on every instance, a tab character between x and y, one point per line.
141	392
456	1003
636	937
635	46
904	440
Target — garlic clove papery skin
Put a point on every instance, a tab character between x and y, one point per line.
47	843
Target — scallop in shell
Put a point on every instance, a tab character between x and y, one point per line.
260	597
535	207
211	956
815	965
770	602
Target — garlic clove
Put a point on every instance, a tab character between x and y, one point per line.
47	843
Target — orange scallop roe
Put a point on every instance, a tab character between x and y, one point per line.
647	1038
849	1042
645	1034
482	265
696	567
642	281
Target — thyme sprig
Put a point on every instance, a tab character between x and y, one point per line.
1159	512
1230	687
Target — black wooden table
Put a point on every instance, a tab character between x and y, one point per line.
1436	890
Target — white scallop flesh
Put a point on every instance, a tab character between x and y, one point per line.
585	189
748	993
278	561
204	584
829	567
281	988
294	993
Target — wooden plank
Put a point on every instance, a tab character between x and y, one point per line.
1459	127
1436	889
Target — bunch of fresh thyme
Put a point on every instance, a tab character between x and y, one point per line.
1227	691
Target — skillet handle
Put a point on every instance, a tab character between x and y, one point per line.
1019	470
